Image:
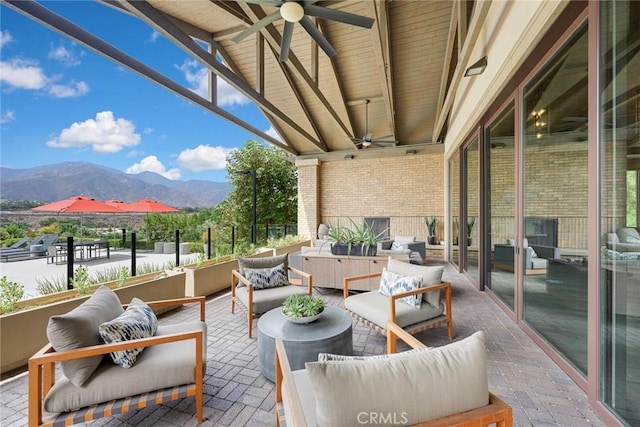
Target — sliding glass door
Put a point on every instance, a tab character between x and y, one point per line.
501	196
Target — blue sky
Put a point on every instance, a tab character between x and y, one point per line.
62	102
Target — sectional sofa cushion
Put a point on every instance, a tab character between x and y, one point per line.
418	386
628	235
138	321
79	328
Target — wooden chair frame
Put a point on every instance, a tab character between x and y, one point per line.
496	412
236	278
42	367
445	319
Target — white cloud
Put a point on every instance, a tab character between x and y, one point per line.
7	117
22	74
104	134
5	37
152	164
135	153
64	55
197	78
72	90
204	157
154	36
26	74
228	95
148	131
273	133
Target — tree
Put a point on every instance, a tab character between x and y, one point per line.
276	188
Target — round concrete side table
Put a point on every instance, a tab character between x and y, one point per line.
331	333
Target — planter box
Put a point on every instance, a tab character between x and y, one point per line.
24	331
354	250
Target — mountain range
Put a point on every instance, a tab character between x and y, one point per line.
62	180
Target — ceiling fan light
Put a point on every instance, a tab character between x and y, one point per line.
366	143
291	11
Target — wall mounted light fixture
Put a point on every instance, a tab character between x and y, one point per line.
349	157
476	68
410	152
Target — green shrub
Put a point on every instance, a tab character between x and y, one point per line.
10	294
81	280
47	286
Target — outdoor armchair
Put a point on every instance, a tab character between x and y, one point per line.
430	299
261	284
166	364
443	386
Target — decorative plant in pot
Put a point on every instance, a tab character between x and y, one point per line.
471	222
432	224
302	308
359	240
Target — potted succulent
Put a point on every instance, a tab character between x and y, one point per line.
302	308
432	224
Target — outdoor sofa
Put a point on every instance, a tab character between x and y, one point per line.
442	386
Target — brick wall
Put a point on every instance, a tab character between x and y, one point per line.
405	189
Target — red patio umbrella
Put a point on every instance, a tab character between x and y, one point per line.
148	206
116	204
78	204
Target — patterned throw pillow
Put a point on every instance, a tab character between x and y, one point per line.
264	278
609	255
330	357
392	283
396	246
137	321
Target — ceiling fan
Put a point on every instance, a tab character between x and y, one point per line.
366	141
293	11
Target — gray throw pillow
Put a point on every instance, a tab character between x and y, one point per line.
417	387
628	235
264	262
79	328
137	321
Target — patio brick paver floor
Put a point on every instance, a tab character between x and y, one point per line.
236	393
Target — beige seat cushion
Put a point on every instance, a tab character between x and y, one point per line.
266	299
412	388
375	307
158	367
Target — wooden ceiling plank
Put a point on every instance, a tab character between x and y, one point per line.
274	38
164	25
480	12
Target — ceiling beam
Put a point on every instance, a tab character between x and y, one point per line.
480	11
381	43
274	38
446	66
47	18
164	25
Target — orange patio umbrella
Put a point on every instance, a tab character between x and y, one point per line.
148	206
78	204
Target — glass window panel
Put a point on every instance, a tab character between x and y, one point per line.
555	169
454	179
472	199
619	134
501	226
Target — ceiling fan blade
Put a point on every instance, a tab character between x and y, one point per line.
338	15
286	41
257	26
318	37
264	2
384	137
